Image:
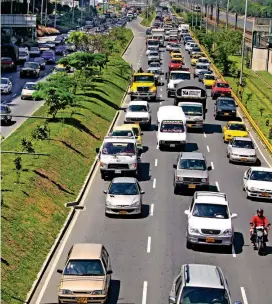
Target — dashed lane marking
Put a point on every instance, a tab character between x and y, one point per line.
217	186
208	148
154	183
151	210
144	292
148	244
243	292
156	162
212	165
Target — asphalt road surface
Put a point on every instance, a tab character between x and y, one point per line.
147	253
14	101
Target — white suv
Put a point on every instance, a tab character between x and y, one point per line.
210	220
138	111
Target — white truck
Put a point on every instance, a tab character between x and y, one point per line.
175	77
194	113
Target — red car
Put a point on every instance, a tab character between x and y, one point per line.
175	64
173	40
8	64
220	88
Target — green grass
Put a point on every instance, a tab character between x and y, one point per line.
147	21
266	76
33	210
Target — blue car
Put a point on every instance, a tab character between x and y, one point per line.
49	56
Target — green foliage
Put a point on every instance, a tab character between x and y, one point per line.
18	166
27	146
41	132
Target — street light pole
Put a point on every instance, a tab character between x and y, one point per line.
55	20
202	7
42	12
73	12
28	2
243	46
227	15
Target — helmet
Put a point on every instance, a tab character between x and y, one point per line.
260	211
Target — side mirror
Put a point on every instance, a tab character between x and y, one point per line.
97	150
187	212
175	166
142	133
209	168
234	215
59	271
105	191
142	192
172	300
236	106
109	272
256	148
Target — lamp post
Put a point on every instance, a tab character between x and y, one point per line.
55	20
243	46
42	12
227	15
73	12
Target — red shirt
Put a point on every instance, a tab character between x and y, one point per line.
259	221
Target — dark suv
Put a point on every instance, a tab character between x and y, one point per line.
225	107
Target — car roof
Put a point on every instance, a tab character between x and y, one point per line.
236	123
192	155
242	138
211	197
267	169
138	102
225	98
207	276
221	81
190	103
86	251
5	58
143	74
30	82
5	78
180	72
124	180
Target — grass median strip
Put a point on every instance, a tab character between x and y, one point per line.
147	20
33	209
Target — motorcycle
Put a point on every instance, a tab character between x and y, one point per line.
260	239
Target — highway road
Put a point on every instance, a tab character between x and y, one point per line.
147	252
14	101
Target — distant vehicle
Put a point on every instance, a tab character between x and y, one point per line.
34	51
30	69
23	55
41	62
49	56
28	90
6	116
6	85
10	51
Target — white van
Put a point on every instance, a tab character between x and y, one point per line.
183	28
171	127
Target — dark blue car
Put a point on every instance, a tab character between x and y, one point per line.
49	56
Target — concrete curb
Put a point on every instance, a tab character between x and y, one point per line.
71	214
256	128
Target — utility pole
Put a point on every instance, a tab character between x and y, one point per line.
45	17
55	20
28	2
33	7
42	12
243	46
227	16
201	14
81	13
207	13
73	12
11	7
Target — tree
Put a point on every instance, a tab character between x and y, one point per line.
27	145
18	166
41	132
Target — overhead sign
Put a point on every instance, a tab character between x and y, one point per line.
190	93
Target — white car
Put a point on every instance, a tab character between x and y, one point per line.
203	61
176	77
190	45
6	85
150	49
34	51
257	182
23	54
28	90
138	111
209	220
241	149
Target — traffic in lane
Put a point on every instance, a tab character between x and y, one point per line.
147	253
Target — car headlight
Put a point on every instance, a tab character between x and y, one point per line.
136	204
65	291
109	204
233	111
193	230
204	180
178	178
152	89
98	292
103	165
253	189
228	232
133	166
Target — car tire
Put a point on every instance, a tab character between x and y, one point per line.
229	249
176	189
189	245
103	175
230	161
168	94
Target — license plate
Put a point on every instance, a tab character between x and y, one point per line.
210	240
189	126
265	194
191	186
123	212
118	171
82	300
243	159
226	114
172	145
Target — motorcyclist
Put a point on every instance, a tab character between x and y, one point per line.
258	220
140	70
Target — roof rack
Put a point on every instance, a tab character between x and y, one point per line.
204	193
187	274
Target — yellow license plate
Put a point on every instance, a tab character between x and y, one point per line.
210	240
189	126
243	159
123	212
226	114
191	186
265	194
82	300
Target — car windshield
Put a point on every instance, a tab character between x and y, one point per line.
4	109
22	54
122	133
265	176
155	72
202	295
202	73
60	69
237	127
174	45
203	60
84	268
176	61
210	211
182	76
48	53
201	67
144	78
4	81
151	48
118	148
192	110
39	59
153	42
245	144
226	102
154	54
123	189
154	64
209	77
222	85
137	108
30	65
172	126
193	164
34	49
29	86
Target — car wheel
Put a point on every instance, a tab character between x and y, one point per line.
176	189
103	175
229	249
168	94
215	117
230	161
189	245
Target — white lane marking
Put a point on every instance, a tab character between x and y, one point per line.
208	148
217	186
204	134
13	95
212	165
148	244
243	292
154	183
156	162
144	292
65	239
157	147
233	252
160	103
161	89
151	210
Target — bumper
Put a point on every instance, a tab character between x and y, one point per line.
140	122
147	95
262	195
6	118
191	185
218	94
24	74
5	91
243	159
215	240
194	125
126	172
26	96
225	114
172	144
124	211
171	92
69	299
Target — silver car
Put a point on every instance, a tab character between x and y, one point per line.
242	149
199	68
154	56
157	72
124	197
191	172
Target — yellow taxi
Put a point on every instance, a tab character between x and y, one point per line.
129	130
209	80
176	53
195	58
233	129
176	56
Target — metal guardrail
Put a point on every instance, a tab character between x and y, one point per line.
18	20
239	102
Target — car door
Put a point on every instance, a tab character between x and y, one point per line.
107	265
246	176
176	288
230	146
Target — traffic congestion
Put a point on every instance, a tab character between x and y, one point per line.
177	210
